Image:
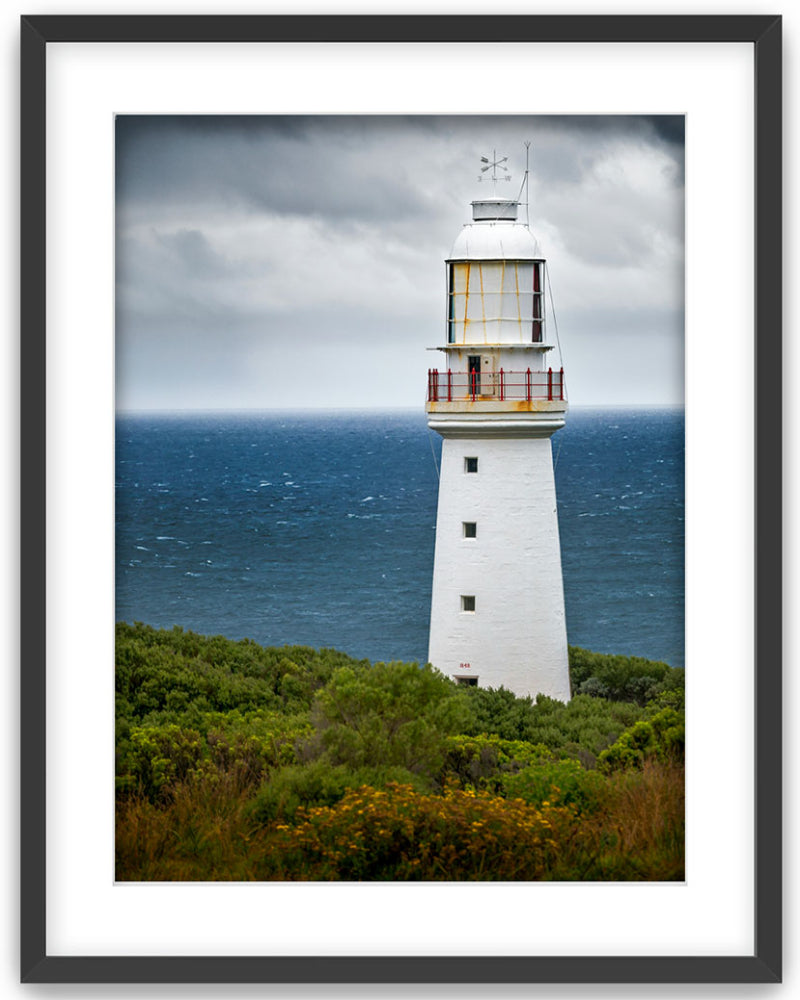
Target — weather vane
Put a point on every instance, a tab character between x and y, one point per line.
493	165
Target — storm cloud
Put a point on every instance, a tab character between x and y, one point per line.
298	261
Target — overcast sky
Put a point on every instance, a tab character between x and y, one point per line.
298	262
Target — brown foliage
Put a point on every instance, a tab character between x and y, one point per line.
204	832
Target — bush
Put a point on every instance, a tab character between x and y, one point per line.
661	737
562	781
480	761
581	728
239	762
500	712
161	673
154	758
620	678
318	784
388	715
585	726
397	834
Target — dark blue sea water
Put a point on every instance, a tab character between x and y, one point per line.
318	529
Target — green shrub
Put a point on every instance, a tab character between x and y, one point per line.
161	673
620	678
318	784
480	761
154	758
390	714
585	724
662	737
563	782
582	728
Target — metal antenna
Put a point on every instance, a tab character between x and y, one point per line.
492	165
527	199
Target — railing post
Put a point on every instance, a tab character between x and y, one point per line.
550	383
561	387
449	386
433	385
472	380
528	385
502	387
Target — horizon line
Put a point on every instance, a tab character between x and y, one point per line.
363	409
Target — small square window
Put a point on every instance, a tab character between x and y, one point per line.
470	465
470	529
467	602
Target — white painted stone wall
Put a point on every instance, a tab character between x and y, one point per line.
516	637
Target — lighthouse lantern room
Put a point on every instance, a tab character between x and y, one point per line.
497	606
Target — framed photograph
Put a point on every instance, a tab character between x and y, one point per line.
326	158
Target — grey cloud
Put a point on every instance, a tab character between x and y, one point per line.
670	128
192	253
309	166
366	167
171	277
323	238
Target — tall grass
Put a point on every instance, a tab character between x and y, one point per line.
199	833
205	831
636	834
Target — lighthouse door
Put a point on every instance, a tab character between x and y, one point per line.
474	362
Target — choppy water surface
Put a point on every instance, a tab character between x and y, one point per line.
318	529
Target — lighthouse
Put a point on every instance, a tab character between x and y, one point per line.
497	604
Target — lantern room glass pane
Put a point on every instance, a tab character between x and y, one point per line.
491	277
526	306
509	308
460	278
496	301
511	277
472	306
525	277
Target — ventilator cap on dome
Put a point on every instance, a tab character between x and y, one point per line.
495	210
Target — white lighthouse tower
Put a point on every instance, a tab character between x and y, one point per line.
497	608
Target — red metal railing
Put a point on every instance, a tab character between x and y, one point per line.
503	385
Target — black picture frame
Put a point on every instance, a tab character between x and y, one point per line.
764	965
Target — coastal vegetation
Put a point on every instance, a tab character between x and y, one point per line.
240	762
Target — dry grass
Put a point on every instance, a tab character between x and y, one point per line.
204	833
637	834
201	834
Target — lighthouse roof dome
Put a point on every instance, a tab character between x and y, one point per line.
495	234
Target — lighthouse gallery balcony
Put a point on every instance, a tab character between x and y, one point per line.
511	387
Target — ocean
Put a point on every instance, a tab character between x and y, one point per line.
318	529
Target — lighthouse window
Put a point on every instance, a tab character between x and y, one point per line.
470	529
538	302
470	465
468	602
491	301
